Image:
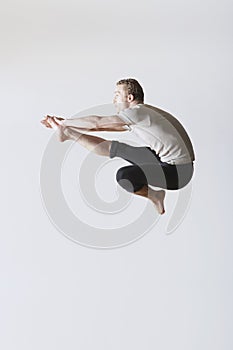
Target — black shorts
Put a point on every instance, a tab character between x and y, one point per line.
148	168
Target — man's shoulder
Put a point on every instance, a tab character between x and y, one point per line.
142	113
154	109
139	108
137	115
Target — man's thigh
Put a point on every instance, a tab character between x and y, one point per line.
134	155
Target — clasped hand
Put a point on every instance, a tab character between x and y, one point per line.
51	122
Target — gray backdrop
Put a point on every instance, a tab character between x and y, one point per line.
162	291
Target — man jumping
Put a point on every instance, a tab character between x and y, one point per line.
166	160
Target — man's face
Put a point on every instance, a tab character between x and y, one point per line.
120	99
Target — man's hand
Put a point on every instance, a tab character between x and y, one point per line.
56	124
46	121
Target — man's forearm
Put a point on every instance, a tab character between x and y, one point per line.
84	123
95	123
69	130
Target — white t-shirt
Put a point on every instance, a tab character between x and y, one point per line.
161	132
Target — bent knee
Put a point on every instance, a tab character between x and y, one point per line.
123	179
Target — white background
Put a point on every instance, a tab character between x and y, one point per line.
161	292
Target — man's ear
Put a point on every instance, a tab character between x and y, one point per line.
130	98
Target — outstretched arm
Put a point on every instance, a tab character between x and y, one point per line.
97	123
92	123
112	123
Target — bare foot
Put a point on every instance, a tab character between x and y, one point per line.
56	124
158	200
45	123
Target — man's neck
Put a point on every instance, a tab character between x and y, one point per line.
134	103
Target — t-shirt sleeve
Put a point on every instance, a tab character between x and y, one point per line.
135	117
125	118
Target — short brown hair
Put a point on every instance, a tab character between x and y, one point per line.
133	87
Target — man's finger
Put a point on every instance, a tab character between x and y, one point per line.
45	123
58	120
52	122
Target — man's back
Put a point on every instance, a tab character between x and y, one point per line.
161	131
